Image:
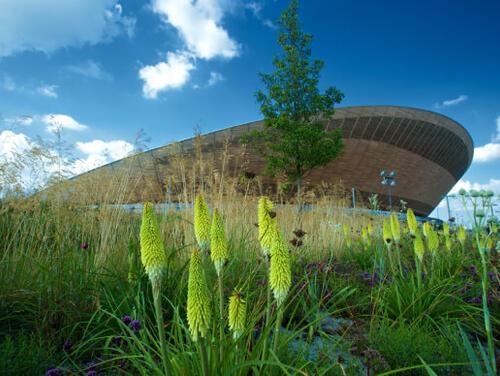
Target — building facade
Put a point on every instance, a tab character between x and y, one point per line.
429	151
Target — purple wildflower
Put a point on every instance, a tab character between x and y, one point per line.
476	300
126	320
84	245
116	341
135	326
92	372
53	372
67	346
472	270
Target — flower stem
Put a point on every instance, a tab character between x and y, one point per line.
419	273
159	322
486	311
221	311
204	357
277	327
268	317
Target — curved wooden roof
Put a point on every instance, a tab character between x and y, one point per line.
429	151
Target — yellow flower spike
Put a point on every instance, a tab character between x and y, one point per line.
280	273
347	235
152	253
489	244
218	243
202	222
366	237
446	229
461	235
418	246
370	229
425	228
448	242
412	221
267	224
237	314
198	301
395	228
432	241
387	232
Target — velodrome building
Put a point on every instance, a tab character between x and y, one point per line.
429	151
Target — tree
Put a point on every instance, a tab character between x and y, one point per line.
294	139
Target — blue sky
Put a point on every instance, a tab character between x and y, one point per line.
102	69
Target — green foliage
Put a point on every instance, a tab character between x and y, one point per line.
53	290
25	355
403	345
294	139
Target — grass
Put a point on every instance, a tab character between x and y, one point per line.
350	310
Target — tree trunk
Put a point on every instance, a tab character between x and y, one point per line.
299	194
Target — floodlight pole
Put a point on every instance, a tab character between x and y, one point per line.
389	180
448	207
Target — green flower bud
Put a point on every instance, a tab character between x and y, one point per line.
418	246
395	228
432	241
198	301
347	235
387	233
237	314
425	229
446	229
370	229
152	253
448	242
267	225
201	222
461	235
366	237
280	273
218	243
412	221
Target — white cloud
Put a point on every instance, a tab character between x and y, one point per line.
90	69
491	185
215	77
116	149
23	120
456	206
487	153
256	9
199	25
33	25
56	121
8	83
170	74
47	91
452	102
490	151
99	153
12	143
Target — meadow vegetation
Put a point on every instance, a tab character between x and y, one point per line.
239	285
